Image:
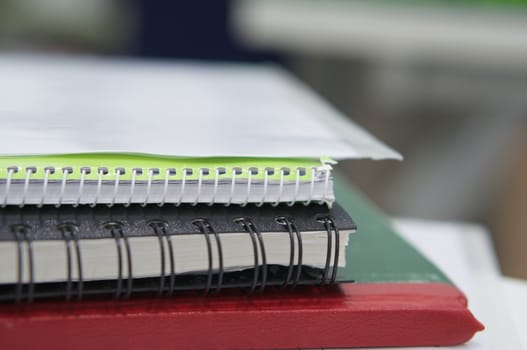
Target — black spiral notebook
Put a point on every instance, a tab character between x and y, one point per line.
72	253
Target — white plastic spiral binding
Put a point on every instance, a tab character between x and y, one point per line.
250	173
217	172
312	185
235	171
168	173
265	185
84	171
283	171
100	172
200	181
65	172
29	171
47	171
151	173
316	176
10	172
297	186
118	173
327	174
183	182
132	186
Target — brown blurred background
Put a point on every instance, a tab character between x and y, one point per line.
444	82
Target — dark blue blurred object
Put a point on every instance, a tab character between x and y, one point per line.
191	30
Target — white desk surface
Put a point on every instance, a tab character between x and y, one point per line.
464	252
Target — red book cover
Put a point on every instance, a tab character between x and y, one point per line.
347	315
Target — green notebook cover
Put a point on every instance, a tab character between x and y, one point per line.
376	253
130	161
126	178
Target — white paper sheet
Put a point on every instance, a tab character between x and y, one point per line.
52	105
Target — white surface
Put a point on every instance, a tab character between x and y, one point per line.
516	297
52	105
464	253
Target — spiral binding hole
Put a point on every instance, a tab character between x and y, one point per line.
281	220
86	170
50	170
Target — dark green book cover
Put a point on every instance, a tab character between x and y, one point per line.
376	253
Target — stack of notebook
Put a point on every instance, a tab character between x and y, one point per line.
188	204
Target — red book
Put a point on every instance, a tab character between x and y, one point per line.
347	315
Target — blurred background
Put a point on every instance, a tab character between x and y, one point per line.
442	81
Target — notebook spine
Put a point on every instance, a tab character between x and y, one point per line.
74	286
77	177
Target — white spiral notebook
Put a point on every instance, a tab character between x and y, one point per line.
83	130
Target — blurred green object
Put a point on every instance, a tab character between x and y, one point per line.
65	25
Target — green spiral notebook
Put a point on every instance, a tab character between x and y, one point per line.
89	131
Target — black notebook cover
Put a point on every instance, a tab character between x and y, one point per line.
73	225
